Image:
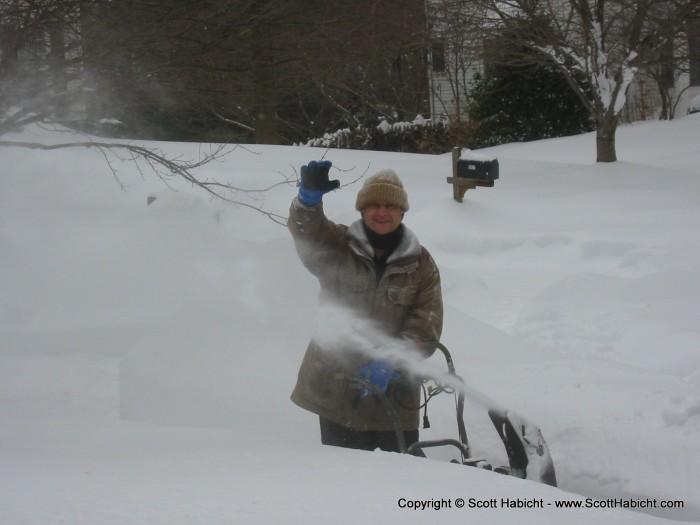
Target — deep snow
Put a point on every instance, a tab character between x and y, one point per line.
147	352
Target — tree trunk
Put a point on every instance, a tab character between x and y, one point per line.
58	67
266	131
605	139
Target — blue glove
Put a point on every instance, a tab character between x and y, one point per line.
378	373
314	182
310	197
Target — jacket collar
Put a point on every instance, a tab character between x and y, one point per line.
408	249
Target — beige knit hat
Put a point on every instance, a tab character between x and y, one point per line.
384	186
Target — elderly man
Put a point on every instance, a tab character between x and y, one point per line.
377	271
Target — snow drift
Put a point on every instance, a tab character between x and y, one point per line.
147	352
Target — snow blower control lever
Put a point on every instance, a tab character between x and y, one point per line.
528	454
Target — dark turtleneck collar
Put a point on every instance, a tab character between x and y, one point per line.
384	242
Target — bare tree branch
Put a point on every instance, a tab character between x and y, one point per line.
165	168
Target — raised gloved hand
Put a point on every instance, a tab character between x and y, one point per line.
378	373
314	182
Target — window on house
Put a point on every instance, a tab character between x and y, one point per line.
668	64
437	57
694	49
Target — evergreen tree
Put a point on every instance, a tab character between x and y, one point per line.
512	103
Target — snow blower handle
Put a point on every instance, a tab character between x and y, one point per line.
448	357
378	373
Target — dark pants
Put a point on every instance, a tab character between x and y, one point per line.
340	436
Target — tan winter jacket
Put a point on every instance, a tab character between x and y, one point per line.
405	304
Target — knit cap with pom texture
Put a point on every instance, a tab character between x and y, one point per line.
384	186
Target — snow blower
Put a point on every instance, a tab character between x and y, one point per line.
528	454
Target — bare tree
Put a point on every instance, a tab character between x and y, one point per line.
42	51
275	71
35	50
609	41
666	71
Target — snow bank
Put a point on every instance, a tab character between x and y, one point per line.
147	352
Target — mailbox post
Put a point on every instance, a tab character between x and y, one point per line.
468	173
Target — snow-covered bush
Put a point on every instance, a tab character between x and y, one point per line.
694	105
418	136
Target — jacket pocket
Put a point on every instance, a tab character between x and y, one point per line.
325	386
402	295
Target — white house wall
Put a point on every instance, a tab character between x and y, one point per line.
643	99
443	100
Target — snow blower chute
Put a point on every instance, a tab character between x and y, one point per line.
528	454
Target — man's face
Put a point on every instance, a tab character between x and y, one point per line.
382	217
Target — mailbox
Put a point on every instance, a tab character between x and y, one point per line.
486	170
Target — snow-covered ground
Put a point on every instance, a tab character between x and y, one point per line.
147	352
